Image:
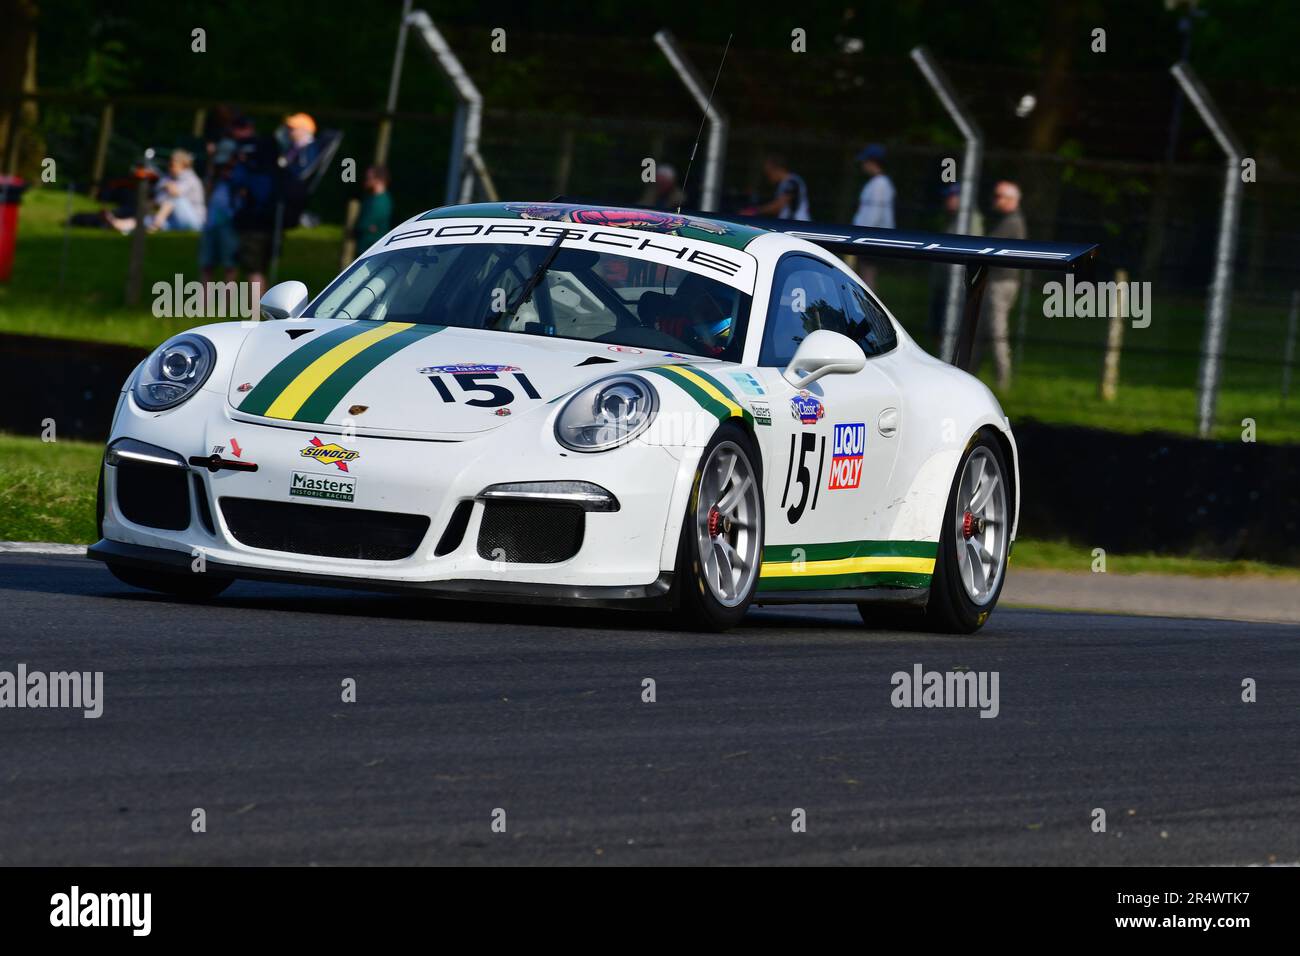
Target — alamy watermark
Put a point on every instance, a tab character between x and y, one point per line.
962	688
1098	300
206	300
78	690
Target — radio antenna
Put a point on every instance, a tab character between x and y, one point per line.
704	119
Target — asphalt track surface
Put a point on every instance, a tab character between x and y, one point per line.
235	707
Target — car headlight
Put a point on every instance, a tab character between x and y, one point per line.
175	371
607	414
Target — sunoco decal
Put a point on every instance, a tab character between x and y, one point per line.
330	454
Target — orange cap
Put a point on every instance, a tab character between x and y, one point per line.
301	121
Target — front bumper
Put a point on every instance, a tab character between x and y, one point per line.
658	595
624	559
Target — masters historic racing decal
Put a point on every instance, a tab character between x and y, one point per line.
307	384
304	484
711	395
330	454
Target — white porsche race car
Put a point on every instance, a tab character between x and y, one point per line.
556	402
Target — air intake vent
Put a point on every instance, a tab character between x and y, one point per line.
323	530
527	533
155	496
455	533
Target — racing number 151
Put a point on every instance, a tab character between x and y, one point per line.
484	382
807	444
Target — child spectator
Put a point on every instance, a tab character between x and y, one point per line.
376	209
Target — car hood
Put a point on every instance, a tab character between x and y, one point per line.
394	378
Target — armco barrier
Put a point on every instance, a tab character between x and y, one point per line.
75	383
1098	489
1160	493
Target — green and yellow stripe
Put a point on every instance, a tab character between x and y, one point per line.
711	395
309	382
847	564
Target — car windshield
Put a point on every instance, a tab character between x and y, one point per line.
587	295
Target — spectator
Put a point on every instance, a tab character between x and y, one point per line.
253	181
218	242
663	193
302	148
1003	285
939	274
181	192
791	199
376	209
301	151
179	198
875	203
216	134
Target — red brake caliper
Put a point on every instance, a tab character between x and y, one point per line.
967	525
715	521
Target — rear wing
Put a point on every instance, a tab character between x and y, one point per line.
977	253
933	246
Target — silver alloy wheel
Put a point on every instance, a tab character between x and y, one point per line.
982	526
728	524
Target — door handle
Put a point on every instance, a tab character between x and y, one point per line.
887	423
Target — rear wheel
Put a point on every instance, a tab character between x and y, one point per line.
970	567
722	535
192	587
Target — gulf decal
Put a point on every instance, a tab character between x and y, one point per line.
310	381
847	564
846	456
714	397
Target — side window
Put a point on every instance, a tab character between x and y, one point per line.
805	297
867	323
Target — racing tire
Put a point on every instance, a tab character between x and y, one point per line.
720	553
974	543
191	587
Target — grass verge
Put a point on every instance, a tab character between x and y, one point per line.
1062	556
47	490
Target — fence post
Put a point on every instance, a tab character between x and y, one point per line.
385	133
135	268
969	179
101	148
711	193
1114	339
1216	320
564	166
466	162
1288	351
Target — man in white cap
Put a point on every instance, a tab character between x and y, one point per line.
875	203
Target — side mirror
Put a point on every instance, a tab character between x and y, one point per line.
823	353
284	301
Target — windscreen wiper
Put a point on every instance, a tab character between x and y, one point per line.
533	282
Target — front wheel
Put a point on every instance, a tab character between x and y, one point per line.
721	548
